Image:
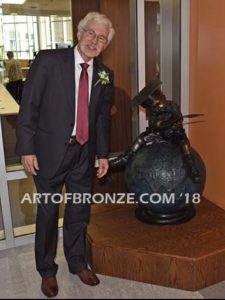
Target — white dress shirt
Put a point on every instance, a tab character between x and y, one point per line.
79	60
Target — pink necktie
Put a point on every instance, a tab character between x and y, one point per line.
82	107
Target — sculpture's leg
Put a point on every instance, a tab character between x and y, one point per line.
122	159
192	169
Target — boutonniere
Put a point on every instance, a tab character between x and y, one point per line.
103	77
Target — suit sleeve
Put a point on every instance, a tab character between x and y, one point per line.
29	110
104	120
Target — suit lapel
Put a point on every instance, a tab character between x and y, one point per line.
95	89
68	78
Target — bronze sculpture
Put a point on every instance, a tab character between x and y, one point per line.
165	122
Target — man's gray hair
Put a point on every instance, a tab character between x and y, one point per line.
100	18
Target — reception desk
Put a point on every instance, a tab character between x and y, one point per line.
8	106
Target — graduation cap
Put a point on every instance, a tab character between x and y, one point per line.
145	94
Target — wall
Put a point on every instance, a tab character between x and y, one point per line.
207	86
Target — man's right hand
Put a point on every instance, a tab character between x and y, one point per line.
30	163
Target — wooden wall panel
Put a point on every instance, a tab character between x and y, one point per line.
117	56
207	73
79	8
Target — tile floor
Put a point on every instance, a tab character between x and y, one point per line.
19	280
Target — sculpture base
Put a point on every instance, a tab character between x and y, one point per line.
187	256
179	217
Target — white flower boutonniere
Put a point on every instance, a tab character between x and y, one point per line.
103	77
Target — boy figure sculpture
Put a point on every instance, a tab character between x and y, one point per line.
165	124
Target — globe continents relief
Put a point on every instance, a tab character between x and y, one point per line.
158	176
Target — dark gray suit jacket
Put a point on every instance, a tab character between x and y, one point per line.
47	111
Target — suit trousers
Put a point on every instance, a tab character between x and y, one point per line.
74	172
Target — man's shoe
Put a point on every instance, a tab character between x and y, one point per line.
88	277
49	286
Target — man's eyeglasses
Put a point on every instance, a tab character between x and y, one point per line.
92	35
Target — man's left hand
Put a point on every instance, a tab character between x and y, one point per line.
103	167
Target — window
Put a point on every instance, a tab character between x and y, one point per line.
25	35
61	31
19	36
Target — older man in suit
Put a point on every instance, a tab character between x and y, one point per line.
63	124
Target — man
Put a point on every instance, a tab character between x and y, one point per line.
59	136
14	71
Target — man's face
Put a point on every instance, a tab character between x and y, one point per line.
93	40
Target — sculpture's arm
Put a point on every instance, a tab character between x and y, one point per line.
188	159
122	159
176	134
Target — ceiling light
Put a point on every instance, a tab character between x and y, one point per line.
19	2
